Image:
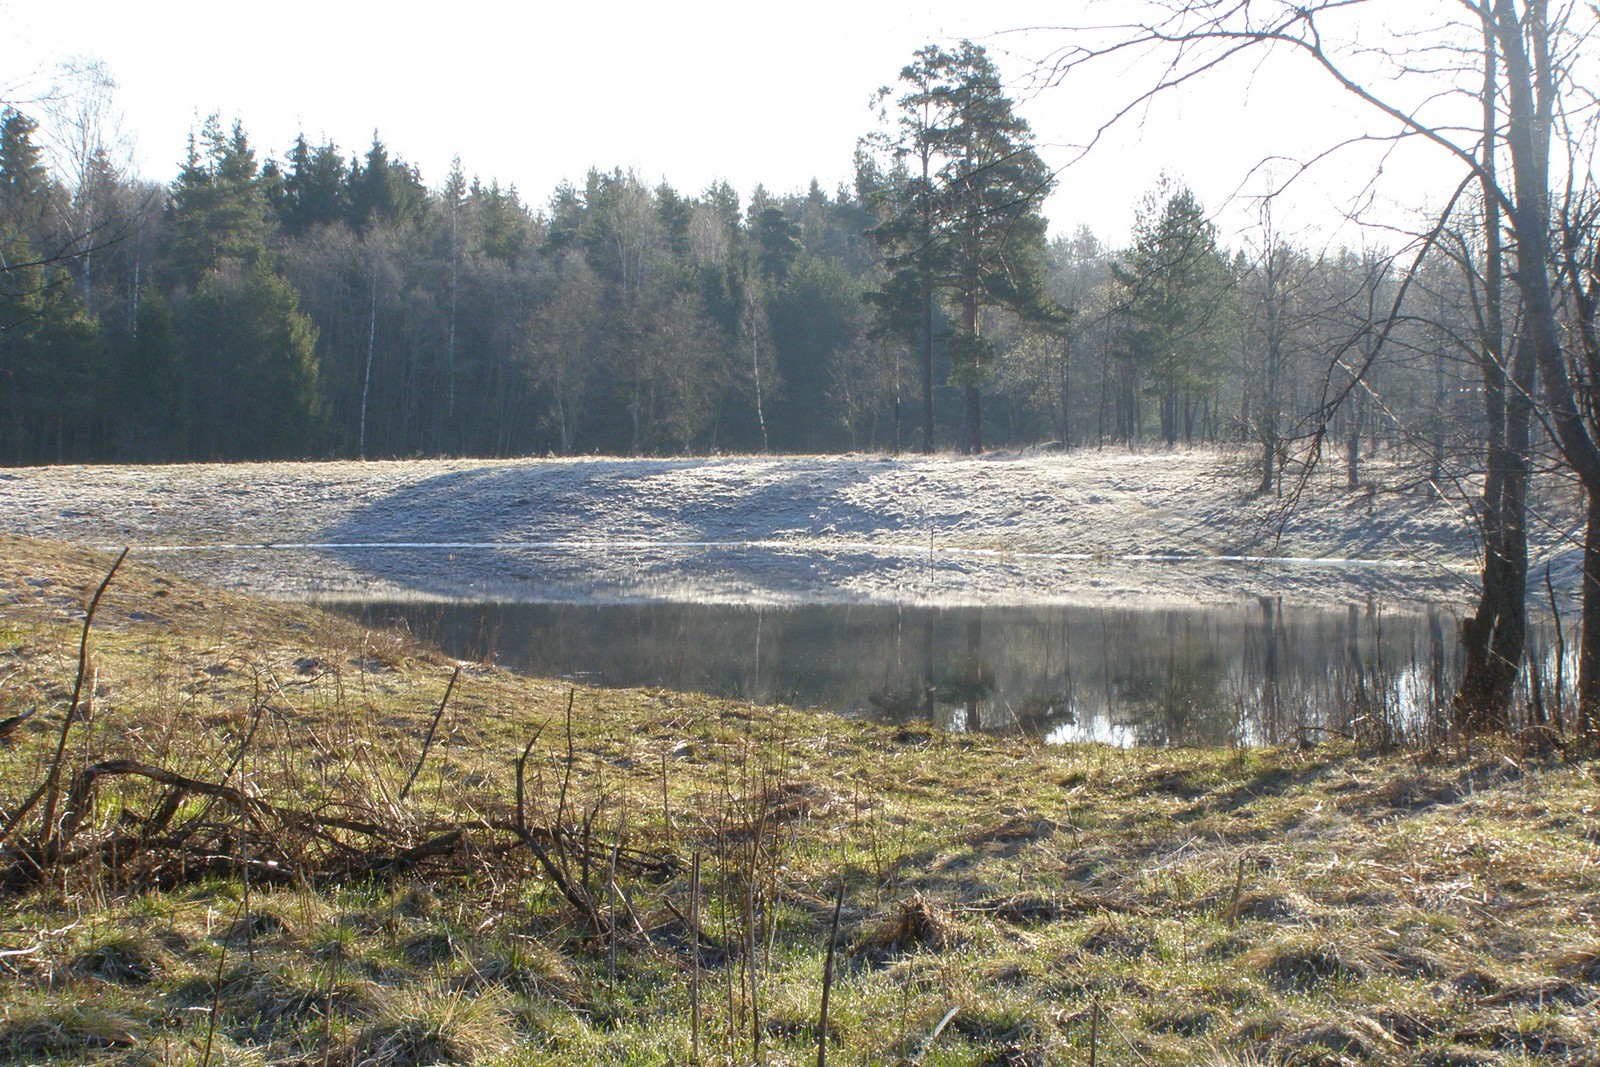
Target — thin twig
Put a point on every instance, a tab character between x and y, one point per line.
50	789
427	742
611	890
694	975
827	979
1094	1030
666	809
574	896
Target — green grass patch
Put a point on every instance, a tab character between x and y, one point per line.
1004	902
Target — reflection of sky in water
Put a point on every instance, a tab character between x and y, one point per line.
1241	674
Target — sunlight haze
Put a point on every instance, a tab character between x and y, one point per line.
532	95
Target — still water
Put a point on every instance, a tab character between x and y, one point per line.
1255	674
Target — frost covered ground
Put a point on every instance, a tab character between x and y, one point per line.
1083	526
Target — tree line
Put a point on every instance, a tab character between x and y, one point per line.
334	304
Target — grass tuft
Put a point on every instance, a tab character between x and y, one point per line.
33	1029
132	957
914	924
425	1026
1300	963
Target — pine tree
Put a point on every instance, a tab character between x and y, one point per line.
960	214
992	186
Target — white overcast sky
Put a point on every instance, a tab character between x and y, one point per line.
532	93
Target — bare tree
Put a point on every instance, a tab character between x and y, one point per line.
560	346
93	155
1275	309
1489	81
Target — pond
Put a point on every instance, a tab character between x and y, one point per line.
1252	674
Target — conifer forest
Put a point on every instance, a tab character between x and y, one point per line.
336	302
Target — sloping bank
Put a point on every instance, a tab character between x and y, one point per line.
1085	526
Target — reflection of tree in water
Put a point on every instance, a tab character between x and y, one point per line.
1042	713
966	679
1234	674
906	693
1177	698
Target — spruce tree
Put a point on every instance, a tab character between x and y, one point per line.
26	190
250	360
1176	289
218	212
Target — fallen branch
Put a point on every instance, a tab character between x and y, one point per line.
575	896
9	726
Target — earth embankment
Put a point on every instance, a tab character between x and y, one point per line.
1113	526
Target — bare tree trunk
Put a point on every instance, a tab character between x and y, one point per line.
1441	397
366	378
1269	454
896	429
972	415
1066	393
972	437
1589	649
1495	636
1352	448
927	306
973	721
927	364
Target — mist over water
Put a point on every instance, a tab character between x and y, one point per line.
1252	674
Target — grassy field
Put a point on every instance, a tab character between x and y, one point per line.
276	837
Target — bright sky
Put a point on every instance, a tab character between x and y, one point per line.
532	93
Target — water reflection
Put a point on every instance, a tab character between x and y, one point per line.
1260	673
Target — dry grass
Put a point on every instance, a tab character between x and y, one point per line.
1006	903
